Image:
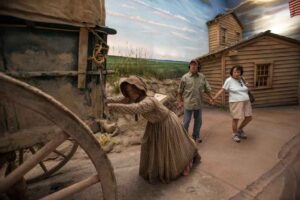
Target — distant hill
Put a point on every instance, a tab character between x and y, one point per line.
160	69
152	59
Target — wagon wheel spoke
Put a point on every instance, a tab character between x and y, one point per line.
72	126
27	165
60	153
62	194
41	163
71	139
55	164
43	166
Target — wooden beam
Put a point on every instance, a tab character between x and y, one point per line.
223	67
19	74
11	116
232	53
82	56
40	27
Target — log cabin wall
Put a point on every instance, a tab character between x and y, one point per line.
232	28
284	58
233	32
213	34
212	70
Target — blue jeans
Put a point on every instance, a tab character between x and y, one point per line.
197	121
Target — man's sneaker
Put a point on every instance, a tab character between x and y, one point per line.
242	134
197	140
236	138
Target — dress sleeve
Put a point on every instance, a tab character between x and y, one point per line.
144	106
118	99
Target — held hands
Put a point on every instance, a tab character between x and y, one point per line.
212	101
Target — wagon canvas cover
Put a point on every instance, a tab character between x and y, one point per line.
73	12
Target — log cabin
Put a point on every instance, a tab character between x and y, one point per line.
271	62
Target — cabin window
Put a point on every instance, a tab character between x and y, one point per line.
263	74
238	36
223	35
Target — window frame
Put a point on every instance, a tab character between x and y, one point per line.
221	35
270	75
238	36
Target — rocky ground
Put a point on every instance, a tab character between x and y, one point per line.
122	131
264	167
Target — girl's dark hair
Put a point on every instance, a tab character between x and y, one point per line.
238	68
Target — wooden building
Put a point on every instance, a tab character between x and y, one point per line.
271	62
224	30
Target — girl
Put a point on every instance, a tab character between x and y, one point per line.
166	149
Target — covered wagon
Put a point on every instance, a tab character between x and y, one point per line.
52	77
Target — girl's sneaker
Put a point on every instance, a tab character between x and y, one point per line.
236	138
242	134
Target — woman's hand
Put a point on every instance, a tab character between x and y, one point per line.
212	101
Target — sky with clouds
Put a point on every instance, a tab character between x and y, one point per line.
176	30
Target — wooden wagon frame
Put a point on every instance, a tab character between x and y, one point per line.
30	26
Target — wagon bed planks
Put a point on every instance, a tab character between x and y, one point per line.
28	137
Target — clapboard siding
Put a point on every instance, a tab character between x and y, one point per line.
267	55
232	27
281	52
212	71
285	60
213	33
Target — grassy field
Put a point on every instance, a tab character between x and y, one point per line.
160	69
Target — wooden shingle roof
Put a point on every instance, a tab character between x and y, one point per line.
219	16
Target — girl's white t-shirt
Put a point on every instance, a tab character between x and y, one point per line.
238	91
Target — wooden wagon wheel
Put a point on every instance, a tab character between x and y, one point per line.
46	170
39	102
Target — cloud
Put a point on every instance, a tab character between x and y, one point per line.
206	2
256	12
190	48
162	12
121	47
115	14
278	22
142	3
128	6
179	35
168	13
149	31
150	22
256	3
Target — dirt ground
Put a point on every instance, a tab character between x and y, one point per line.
254	169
